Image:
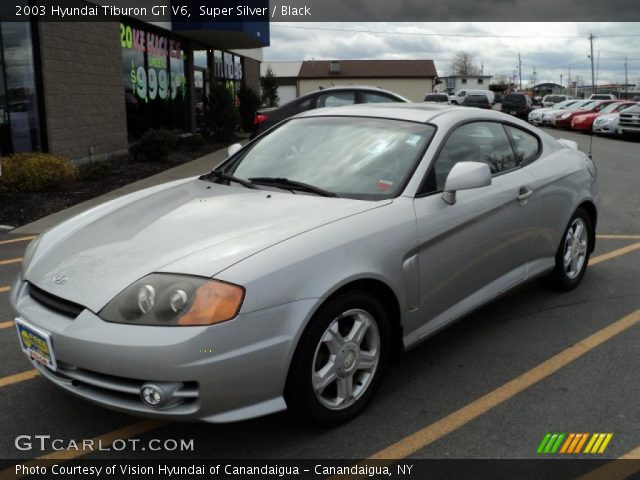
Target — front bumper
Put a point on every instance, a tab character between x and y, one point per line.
606	128
228	372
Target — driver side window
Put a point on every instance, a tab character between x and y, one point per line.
474	142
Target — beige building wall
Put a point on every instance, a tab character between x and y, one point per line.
83	89
412	88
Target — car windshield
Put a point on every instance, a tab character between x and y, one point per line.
612	108
553	98
586	105
565	104
436	98
353	157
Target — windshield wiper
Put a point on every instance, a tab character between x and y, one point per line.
220	175
292	185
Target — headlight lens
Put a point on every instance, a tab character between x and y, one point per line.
565	116
175	300
29	251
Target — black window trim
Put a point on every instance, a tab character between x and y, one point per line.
421	194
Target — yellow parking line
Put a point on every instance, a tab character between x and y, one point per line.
619	237
6	325
482	405
10	261
616	469
17	378
4	289
16	240
615	253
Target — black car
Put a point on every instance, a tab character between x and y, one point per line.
478	101
436	98
328	97
517	104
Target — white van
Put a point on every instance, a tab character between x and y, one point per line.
459	96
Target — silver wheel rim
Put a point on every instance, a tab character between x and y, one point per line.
346	359
575	248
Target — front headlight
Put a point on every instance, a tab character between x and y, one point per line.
29	251
565	116
602	121
175	300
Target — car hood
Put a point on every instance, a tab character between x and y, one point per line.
586	116
608	116
192	227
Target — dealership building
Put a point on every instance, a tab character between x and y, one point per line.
88	90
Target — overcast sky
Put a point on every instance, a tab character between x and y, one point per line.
550	47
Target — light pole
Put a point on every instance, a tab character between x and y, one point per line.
593	75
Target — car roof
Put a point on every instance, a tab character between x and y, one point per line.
352	87
414	112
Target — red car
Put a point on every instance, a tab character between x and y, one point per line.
563	120
584	121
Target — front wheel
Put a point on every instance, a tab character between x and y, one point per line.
339	360
573	253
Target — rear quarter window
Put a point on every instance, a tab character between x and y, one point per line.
526	145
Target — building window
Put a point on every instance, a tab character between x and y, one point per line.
480	81
464	81
19	108
153	67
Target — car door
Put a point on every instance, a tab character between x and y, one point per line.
473	250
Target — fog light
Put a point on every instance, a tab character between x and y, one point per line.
153	395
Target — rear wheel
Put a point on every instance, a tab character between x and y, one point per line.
573	252
340	360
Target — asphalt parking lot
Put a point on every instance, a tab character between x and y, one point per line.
491	386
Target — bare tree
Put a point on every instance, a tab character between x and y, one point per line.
500	80
463	64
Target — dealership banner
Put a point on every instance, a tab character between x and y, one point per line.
198	11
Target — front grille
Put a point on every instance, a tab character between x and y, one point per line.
60	305
629	120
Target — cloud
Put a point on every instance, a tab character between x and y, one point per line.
495	45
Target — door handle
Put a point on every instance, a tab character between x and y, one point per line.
524	195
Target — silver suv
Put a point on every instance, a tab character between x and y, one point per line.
629	120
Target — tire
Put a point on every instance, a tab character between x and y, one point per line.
573	253
330	346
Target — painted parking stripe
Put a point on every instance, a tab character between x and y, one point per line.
18	377
616	469
615	253
4	289
618	237
16	240
6	325
431	433
10	261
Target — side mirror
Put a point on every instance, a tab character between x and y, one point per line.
233	149
465	176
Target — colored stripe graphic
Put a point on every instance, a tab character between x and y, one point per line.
598	442
572	443
551	442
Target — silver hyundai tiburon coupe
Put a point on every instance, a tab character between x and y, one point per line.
289	275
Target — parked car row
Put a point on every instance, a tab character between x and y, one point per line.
600	113
596	115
